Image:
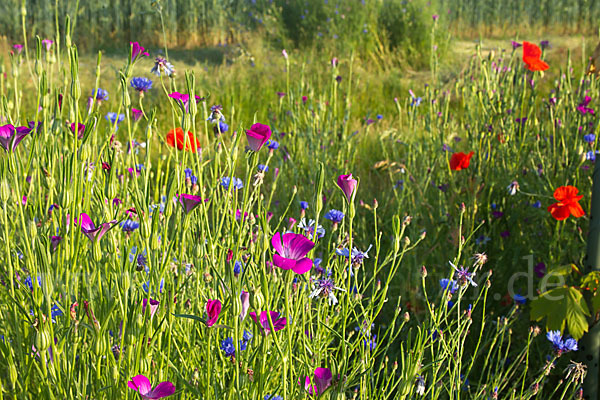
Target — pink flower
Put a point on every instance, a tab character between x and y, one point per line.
80	130
189	202
47	43
348	185
89	229
292	252
245	299
10	137
322	379
18	48
257	136
213	309
263	320
136	50
153	306
137	114
141	384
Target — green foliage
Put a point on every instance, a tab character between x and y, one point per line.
562	305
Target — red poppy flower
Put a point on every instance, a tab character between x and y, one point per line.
568	203
176	135
460	161
531	57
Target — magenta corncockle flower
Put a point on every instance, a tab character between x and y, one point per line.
10	137
334	62
142	385
54	242
279	322
136	50
47	43
153	306
213	309
257	136
292	252
184	99
137	114
322	379
304	99
18	48
189	202
245	299
347	184
90	230
80	130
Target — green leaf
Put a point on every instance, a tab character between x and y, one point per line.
560	306
190	316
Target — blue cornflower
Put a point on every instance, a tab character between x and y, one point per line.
220	127
537	204
237	268
140	260
246	338
114	118
188	172
228	347
273	397
591	155
101	94
237	183
317	265
304	205
334	216
519	299
141	84
129	225
379	116
272	145
590	138
263	168
559	345
450	285
358	256
415	101
161	65
55	311
310	227
463	276
194	179
146	286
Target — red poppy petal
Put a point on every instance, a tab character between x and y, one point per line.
576	210
559	212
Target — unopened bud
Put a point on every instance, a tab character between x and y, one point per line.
406	220
423	272
406	317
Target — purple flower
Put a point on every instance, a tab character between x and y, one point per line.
141	84
89	229
137	114
189	202
463	276
583	106
540	270
10	137
100	94
515	45
236	182
292	252
590	138
54	242
279	322
322	379
257	136
80	130
544	44
348	185
136	51
129	225
281	95
559	345
228	347
142	385
213	309
18	48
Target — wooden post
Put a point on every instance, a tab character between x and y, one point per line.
589	346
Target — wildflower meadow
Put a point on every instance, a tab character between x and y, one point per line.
281	200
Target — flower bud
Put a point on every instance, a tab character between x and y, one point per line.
406	317
257	299
4	191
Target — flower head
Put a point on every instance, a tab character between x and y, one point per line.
189	202
137	51
236	182
463	276
10	137
100	94
568	203
257	136
162	66
322	378
142	385
47	43
334	216
561	346
348	185
176	136
114	118
583	106
292	251
262	320
531	57
310	228
450	285
325	287
213	309
141	84
137	114
460	161
91	231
